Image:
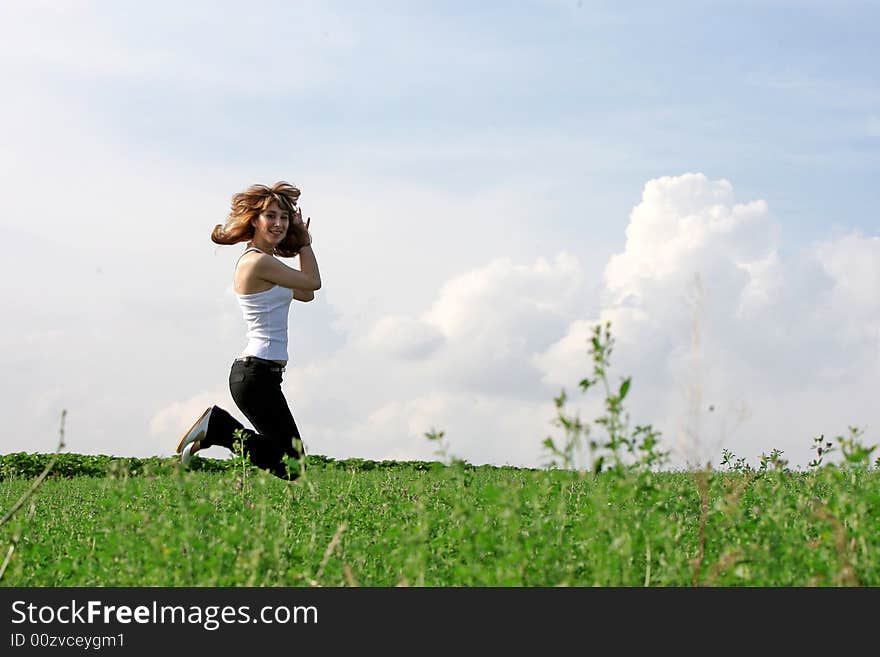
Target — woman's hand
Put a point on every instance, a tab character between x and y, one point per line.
298	218
298	222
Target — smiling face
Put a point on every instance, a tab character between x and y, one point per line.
271	225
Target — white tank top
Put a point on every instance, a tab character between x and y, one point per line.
266	314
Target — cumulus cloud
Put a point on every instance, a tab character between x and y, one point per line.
853	263
729	344
683	224
496	317
405	337
463	365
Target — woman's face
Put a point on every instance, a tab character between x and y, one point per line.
272	223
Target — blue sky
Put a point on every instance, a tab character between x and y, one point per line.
430	140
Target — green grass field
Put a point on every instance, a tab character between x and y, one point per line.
621	520
367	524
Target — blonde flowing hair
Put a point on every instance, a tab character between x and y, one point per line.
247	206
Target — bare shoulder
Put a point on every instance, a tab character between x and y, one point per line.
250	257
249	263
248	279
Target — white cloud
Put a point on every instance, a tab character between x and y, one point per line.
705	311
463	366
728	343
495	317
478	428
405	337
853	263
679	226
764	283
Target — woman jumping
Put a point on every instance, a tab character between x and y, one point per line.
270	221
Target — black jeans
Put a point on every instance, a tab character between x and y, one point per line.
255	385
